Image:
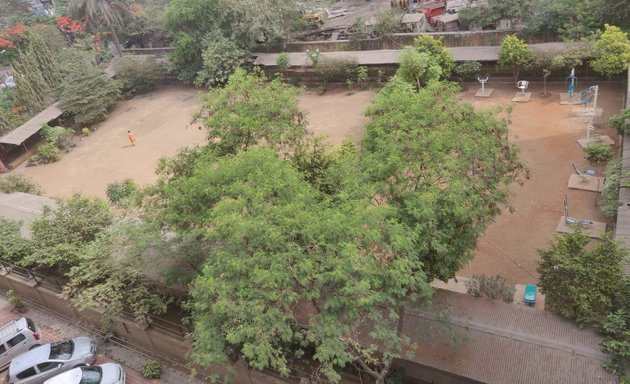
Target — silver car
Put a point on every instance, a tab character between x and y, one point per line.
40	364
108	373
17	337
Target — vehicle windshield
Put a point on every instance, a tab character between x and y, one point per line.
91	375
62	351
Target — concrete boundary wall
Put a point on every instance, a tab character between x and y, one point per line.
622	230
133	332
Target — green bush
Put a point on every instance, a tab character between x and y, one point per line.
138	76
620	121
598	152
58	136
13	247
494	287
337	70
468	69
88	93
121	191
46	153
220	59
18	182
152	370
610	190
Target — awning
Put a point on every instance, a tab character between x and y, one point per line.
31	127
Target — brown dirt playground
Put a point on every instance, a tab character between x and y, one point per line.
542	129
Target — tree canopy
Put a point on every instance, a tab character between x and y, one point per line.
612	51
516	54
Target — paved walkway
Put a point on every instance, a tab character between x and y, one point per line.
391	56
54	329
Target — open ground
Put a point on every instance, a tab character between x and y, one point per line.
541	128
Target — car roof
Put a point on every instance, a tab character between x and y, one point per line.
72	376
12	327
30	358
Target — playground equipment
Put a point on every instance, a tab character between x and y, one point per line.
572	80
587	96
604	139
583	175
483	92
589	93
568	220
522	96
529	297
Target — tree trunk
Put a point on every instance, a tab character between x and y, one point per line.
115	39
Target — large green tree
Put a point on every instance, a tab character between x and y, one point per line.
442	165
580	279
192	23
428	60
515	53
108	12
612	51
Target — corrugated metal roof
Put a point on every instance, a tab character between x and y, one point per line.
31	127
495	342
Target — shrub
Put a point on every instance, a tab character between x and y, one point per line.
121	191
15	301
220	59
338	70
598	152
283	61
610	190
13	247
46	153
620	121
19	183
494	287
58	136
468	69
88	93
362	74
138	76
152	370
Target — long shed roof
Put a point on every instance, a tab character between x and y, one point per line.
31	127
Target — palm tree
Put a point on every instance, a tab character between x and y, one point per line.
110	12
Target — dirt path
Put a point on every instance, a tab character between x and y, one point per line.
160	121
547	138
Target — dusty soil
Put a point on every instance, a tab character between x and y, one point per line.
337	114
547	138
160	120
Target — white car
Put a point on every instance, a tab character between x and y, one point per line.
108	373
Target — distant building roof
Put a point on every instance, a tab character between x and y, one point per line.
494	342
31	127
23	207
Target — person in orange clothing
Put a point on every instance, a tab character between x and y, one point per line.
131	137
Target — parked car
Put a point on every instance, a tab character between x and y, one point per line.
108	373
40	364
16	338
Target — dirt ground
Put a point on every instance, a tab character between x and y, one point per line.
160	120
547	138
541	128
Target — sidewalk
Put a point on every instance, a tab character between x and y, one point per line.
54	329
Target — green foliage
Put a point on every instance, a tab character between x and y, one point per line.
516	54
13	247
15	301
580	279
17	182
46	153
109	13
60	233
138	76
283	61
612	51
362	74
442	165
249	110
494	287
598	152
9	117
190	22
220	58
616	330
468	69
88	93
120	193
313	56
388	23
152	370
610	190
337	69
427	61
111	272
60	137
620	121
489	14
571	20
37	75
